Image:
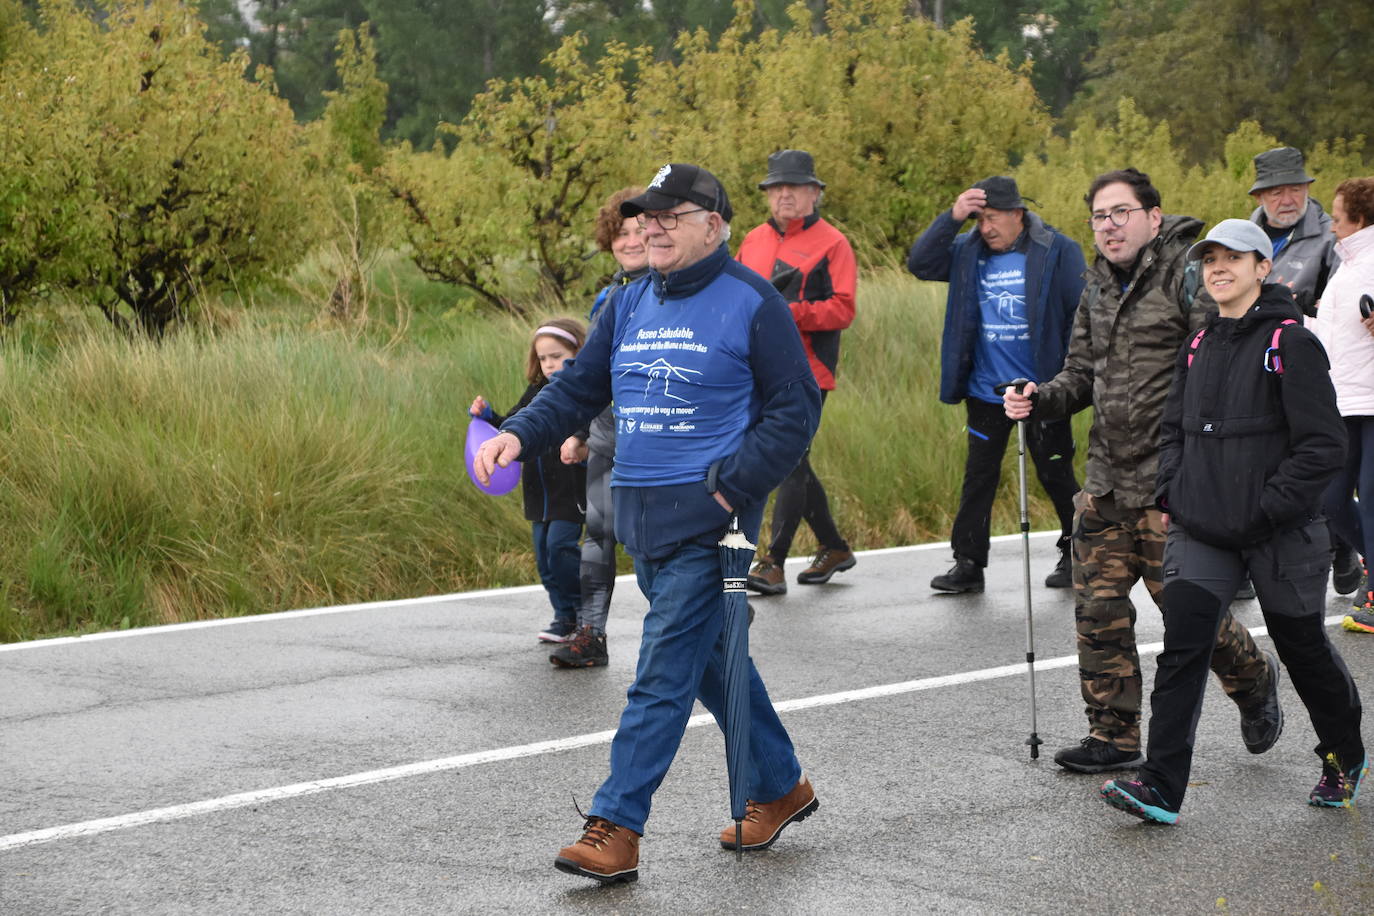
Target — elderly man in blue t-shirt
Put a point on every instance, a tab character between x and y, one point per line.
715	403
1014	284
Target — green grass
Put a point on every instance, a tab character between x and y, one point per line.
282	461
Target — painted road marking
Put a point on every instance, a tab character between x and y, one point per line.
538	748
278	616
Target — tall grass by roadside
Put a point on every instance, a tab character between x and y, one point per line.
280	464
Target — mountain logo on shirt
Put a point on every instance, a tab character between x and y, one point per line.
1010	306
661	369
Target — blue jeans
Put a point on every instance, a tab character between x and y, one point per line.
681	660
560	565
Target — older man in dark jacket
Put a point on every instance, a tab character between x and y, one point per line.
714	402
1014	283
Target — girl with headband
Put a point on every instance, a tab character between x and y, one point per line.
555	493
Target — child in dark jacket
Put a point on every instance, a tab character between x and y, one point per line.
554	492
1249	441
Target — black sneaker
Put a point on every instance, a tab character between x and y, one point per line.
1338	787
586	649
1093	755
1346	570
1246	592
1136	798
964	576
1062	577
1261	725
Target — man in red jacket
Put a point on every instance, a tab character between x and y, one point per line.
810	262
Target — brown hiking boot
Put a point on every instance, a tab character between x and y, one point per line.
763	822
825	564
607	853
766	577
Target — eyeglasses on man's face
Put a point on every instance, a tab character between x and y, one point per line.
667	219
1116	216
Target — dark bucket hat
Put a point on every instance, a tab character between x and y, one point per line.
1002	193
677	182
791	166
1283	165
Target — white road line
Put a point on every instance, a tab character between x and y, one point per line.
278	616
557	745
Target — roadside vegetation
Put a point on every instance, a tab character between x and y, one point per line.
280	462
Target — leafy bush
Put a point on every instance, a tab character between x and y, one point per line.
897	113
150	169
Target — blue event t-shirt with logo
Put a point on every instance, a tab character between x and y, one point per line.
1002	351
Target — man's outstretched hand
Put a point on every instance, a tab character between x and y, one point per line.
501	450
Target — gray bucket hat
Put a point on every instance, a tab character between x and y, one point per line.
1279	166
791	166
1237	235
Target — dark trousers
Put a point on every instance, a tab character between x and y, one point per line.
1051	447
801	497
1351	521
1289	575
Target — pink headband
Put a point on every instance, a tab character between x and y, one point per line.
556	332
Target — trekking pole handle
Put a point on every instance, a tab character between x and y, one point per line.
1017	384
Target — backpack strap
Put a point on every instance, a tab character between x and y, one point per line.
1273	361
1192	347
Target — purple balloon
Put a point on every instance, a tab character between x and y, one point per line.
503	480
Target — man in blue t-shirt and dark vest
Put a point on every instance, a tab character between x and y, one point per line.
715	403
1014	283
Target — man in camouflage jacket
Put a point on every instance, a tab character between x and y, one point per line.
1139	305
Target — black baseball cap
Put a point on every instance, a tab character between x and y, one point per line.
676	182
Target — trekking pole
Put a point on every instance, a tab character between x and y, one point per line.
1034	740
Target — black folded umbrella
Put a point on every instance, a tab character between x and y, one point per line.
736	553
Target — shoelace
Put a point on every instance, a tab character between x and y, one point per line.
597	832
819	559
1333	777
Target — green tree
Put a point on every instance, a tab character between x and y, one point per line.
1298	69
900	116
157	168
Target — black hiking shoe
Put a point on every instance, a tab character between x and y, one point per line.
586	649
1346	570
1261	725
1138	799
964	576
1093	755
1062	576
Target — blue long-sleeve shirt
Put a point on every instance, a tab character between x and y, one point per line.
712	393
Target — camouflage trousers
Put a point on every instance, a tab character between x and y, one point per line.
1114	547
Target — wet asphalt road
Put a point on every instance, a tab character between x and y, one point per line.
423	757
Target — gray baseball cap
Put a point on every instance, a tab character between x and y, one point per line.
1279	166
1237	235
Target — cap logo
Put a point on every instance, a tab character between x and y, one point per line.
662	175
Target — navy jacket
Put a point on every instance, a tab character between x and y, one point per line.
712	392
1054	282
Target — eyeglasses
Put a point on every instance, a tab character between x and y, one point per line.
1117	216
667	219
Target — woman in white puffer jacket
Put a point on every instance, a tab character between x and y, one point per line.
1349	341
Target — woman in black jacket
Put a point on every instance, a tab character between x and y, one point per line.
1249	440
